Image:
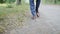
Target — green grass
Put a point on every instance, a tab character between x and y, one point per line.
11	10
50	2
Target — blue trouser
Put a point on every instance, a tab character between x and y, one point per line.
34	9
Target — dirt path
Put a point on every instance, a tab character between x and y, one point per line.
48	23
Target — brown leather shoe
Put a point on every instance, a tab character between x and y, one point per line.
34	17
38	15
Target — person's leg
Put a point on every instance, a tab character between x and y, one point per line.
32	7
37	6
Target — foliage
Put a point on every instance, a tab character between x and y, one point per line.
10	1
7	1
2	1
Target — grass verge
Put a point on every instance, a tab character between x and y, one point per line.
12	16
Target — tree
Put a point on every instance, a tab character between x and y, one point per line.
18	2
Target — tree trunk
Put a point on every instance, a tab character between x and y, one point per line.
18	2
55	1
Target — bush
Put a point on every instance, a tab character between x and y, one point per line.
10	1
9	6
58	0
2	1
